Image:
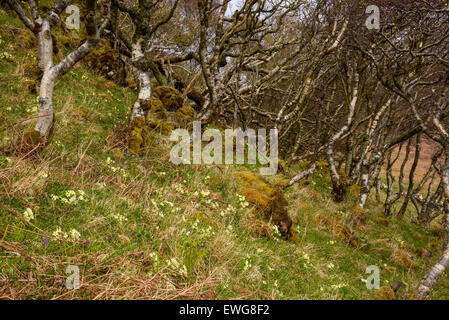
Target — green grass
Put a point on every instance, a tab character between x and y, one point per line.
148	231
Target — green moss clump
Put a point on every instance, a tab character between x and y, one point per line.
30	140
186	113
67	42
170	97
358	215
384	293
246	178
107	63
32	71
138	137
157	108
262	202
269	202
258	228
354	189
165	127
401	258
27	39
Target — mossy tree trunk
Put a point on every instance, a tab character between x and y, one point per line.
138	43
51	73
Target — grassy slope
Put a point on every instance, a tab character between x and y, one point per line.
169	222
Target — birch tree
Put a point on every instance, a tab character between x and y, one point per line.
51	72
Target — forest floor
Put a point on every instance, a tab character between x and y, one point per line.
144	228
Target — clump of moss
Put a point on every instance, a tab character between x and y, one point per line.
354	189
186	113
32	70
423	253
68	42
358	216
262	202
27	39
269	202
340	230
31	140
402	258
170	97
157	108
246	178
321	164
258	228
138	136
107	63
384	293
164	127
280	182
344	177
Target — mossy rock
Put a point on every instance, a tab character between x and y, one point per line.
107	63
170	97
268	201
164	127
384	293
157	108
186	113
139	136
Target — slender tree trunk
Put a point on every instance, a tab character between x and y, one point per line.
142	104
437	270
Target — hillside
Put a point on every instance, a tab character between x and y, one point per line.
144	228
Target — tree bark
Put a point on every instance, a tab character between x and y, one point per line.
438	269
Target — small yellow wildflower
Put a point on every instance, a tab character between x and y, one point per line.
28	214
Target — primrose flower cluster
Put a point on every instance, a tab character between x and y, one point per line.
228	211
306	260
119	218
241	200
73	234
194	228
114	169
172	264
165	206
176	266
275	232
28	214
70	197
